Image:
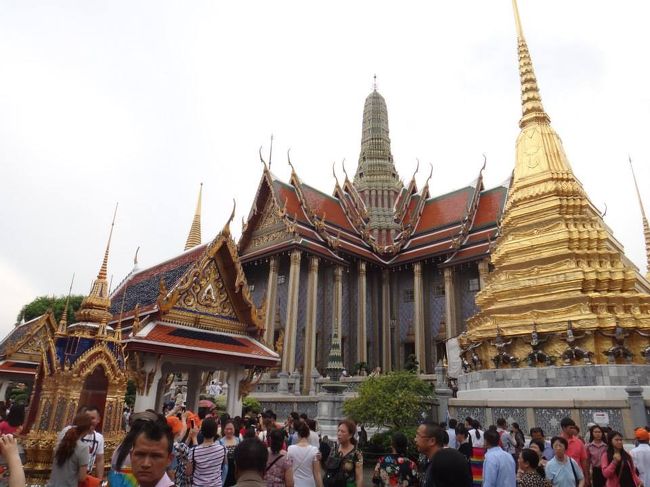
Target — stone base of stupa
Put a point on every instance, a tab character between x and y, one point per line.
616	395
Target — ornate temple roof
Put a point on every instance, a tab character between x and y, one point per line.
458	225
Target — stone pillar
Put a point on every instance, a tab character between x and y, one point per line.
193	388
271	301
362	353
637	405
3	390
418	315
385	321
483	270
233	401
450	304
443	393
147	388
310	326
337	311
291	326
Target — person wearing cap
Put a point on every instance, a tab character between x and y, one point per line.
641	455
576	448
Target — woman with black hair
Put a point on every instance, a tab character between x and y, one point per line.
14	423
279	472
464	441
618	467
230	440
208	461
396	469
304	460
596	447
528	461
71	455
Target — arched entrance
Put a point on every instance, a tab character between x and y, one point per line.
94	391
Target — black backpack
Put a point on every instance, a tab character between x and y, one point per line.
334	476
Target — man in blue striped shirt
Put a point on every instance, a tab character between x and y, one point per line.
499	467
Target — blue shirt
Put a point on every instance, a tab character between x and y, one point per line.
499	469
561	474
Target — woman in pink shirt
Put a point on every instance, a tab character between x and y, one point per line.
13	425
595	449
617	464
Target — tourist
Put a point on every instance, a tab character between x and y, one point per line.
13	424
14	475
314	440
499	468
476	433
151	454
71	457
304	460
207	461
180	450
519	438
121	472
345	463
641	455
528	464
451	431
464	441
250	457
595	449
617	464
537	433
537	446
396	469
267	426
363	435
507	441
562	470
576	448
445	467
279	471
230	441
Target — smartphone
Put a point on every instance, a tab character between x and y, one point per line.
192	423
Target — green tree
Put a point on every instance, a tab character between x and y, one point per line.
41	304
394	401
129	396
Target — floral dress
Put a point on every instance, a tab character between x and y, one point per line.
348	463
394	471
181	455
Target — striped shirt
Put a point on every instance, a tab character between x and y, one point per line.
207	461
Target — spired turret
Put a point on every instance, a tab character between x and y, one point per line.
555	261
376	178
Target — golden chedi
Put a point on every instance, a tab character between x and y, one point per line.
562	290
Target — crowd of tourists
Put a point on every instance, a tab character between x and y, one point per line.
183	449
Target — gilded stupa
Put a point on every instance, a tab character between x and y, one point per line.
557	269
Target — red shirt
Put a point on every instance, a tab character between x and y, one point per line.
576	450
7	429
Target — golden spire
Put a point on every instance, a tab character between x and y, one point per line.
531	101
94	308
194	238
63	322
646	227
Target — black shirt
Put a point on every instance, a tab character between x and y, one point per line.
447	468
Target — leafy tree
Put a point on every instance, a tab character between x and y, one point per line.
395	401
41	304
129	397
251	404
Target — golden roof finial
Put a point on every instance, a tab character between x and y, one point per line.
63	322
646	227
531	101
194	238
94	308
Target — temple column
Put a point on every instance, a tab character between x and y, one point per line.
3	390
271	301
362	354
193	388
291	326
148	379
483	270
385	321
233	400
450	303
418	315
337	312
310	326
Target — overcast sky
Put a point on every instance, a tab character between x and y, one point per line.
140	101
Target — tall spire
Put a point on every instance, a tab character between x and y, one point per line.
63	322
376	178
646	227
94	307
194	238
531	101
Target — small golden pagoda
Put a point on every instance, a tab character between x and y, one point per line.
82	364
561	284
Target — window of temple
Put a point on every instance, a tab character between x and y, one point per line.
474	284
439	290
409	295
281	279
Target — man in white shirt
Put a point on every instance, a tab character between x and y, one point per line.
95	441
451	431
641	455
